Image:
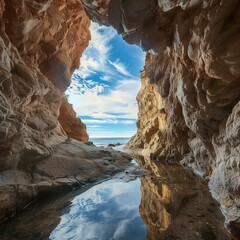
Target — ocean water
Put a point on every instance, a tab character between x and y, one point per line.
103	142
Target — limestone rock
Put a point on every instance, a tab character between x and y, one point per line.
40	44
72	125
189	100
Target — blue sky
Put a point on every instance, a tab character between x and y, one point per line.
104	88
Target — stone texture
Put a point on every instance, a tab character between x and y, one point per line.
40	46
41	43
72	164
72	125
189	100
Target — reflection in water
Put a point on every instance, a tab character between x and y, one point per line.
174	205
106	211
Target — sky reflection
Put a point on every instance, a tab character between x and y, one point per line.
108	211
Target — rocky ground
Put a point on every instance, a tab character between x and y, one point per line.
175	204
72	164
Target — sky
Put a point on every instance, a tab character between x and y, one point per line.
104	88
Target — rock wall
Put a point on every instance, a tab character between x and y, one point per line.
189	105
40	44
189	101
72	125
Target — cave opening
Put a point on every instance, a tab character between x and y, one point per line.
104	88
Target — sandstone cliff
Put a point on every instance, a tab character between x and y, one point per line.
40	46
72	125
189	105
189	101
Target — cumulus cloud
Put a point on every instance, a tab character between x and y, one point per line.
121	100
104	88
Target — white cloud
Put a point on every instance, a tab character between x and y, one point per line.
94	126
102	115
88	67
86	86
128	122
121	100
120	67
95	58
103	88
105	78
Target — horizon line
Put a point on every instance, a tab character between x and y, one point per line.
110	137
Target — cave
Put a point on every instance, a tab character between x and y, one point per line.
104	88
188	102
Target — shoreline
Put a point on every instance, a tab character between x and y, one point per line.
181	201
61	177
72	165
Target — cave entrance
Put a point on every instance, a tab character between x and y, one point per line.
104	88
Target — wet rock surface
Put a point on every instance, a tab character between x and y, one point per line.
178	205
175	204
72	165
114	144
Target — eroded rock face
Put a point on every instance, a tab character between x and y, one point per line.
41	43
189	100
72	125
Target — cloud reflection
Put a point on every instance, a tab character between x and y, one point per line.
107	211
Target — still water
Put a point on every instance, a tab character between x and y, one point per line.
166	203
106	211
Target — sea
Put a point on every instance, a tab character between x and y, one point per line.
103	142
